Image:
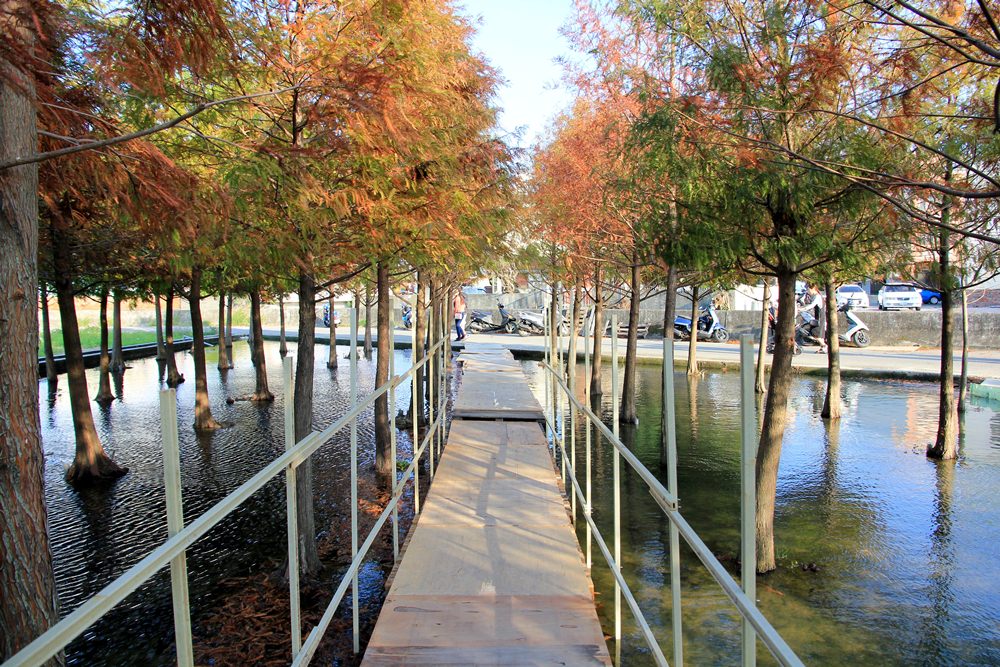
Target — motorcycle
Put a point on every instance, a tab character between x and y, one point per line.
772	322
478	321
326	316
479	324
534	324
709	326
407	316
857	332
807	330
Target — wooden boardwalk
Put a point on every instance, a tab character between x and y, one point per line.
492	574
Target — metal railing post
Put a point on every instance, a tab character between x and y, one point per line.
572	418
545	376
561	417
617	467
175	523
587	342
431	381
443	376
355	597
554	362
392	429
415	416
292	504
669	416
748	500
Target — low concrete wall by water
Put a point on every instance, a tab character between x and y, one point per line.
921	328
893	327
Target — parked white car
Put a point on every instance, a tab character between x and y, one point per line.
853	295
899	295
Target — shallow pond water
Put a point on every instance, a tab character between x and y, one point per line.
97	534
885	557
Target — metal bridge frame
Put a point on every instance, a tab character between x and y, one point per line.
181	537
560	399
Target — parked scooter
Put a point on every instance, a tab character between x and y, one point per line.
709	326
407	316
478	321
479	324
534	324
857	332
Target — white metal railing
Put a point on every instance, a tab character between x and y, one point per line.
754	624
181	537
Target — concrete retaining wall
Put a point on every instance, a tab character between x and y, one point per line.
887	327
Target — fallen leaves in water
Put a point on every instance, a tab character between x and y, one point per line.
250	622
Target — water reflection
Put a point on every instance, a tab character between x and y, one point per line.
97	534
885	557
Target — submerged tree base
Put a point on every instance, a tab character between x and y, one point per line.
100	470
942	453
211	425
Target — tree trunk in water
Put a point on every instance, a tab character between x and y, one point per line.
51	376
331	360
419	336
250	336
174	377
773	430
203	420
229	328
90	464
765	326
555	317
595	370
946	445
628	414
832	405
261	390
357	314
432	326
27	584
283	344
104	394
384	465
963	384
223	352
368	320
574	334
161	348
309	564
692	366
669	313
117	357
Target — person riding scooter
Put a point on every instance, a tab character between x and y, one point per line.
812	312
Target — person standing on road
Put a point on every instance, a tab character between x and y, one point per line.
458	306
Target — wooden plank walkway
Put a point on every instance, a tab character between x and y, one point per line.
493	573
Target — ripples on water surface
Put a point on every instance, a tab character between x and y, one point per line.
97	534
908	550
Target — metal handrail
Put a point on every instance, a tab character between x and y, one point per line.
55	639
669	504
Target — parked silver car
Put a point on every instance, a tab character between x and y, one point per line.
852	295
899	295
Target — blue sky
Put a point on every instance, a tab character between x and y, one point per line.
521	38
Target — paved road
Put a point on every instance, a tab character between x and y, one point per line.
906	362
888	361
